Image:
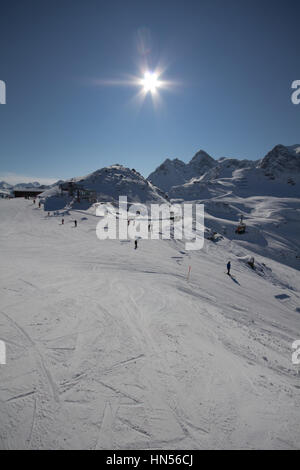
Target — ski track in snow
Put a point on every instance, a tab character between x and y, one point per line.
111	347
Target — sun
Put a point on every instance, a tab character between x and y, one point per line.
150	82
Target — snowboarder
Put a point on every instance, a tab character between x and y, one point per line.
135	244
228	268
75	223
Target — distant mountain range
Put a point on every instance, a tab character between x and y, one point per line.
278	173
8	188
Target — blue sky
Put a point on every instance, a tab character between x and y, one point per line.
233	63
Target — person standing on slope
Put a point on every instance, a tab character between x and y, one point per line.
75	223
228	268
135	244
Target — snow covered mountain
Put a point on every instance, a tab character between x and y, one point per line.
116	180
280	160
250	177
34	184
277	174
4	185
5	189
107	184
175	172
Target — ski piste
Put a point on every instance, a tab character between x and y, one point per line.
124	352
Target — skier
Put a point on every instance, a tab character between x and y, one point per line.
39	205
62	221
48	214
75	223
228	268
135	244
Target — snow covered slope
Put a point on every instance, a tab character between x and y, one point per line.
111	347
226	168
175	172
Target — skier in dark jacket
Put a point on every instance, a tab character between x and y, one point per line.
228	268
75	223
135	244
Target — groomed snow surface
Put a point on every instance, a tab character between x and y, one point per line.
112	348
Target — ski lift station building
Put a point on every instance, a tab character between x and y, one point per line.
74	189
32	192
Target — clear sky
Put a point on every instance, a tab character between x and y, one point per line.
233	63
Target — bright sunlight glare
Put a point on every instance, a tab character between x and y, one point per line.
150	82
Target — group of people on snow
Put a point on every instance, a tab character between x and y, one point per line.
135	241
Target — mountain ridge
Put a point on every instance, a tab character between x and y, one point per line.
282	163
